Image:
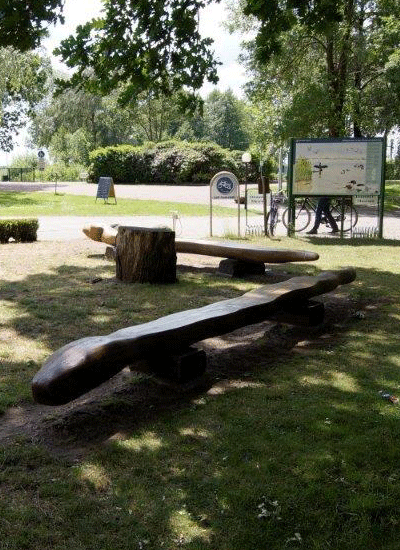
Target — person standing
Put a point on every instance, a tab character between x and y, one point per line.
323	208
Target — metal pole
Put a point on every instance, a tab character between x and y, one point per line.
266	233
210	210
238	195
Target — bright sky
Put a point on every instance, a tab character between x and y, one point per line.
226	47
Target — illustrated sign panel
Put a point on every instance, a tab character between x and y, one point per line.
224	185
338	167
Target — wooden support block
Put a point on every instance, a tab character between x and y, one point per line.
179	368
304	313
239	268
145	255
111	253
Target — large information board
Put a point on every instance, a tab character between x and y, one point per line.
337	167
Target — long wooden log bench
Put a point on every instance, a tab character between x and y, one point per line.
162	347
240	258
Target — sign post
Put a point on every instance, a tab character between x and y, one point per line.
224	185
105	189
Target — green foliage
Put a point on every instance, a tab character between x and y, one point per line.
61	172
74	123
22	24
22	231
165	162
148	45
224	119
326	68
392	171
23	80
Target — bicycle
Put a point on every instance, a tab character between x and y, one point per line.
306	206
273	215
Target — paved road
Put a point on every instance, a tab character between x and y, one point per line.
69	227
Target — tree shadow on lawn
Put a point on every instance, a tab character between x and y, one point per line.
351	242
17	199
288	435
58	308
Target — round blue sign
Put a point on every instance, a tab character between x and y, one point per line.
225	185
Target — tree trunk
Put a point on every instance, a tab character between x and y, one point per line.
145	255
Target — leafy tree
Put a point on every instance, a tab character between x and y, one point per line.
23	81
75	122
329	63
23	23
225	123
146	44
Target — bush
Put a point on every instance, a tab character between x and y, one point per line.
392	171
22	231
60	172
171	162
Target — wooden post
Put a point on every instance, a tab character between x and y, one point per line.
145	255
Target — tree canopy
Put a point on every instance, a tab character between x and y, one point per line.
22	86
23	24
146	44
328	67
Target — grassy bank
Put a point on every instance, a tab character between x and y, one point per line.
291	446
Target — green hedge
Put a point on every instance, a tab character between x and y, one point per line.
22	231
392	171
172	162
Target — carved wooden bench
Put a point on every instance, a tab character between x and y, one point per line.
240	258
164	343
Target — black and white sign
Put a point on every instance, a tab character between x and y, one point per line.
105	189
41	154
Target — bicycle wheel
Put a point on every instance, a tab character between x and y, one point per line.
302	217
350	217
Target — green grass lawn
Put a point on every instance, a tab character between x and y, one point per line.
50	204
300	451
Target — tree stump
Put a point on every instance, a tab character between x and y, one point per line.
145	255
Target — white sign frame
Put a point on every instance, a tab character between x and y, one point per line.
224	185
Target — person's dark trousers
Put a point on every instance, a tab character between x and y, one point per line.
323	208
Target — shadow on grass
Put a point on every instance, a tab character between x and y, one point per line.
19	199
351	242
288	443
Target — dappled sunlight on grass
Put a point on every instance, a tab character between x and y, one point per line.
147	441
186	529
287	445
335	379
93	474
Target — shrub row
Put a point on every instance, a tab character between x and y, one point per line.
392	171
21	230
173	162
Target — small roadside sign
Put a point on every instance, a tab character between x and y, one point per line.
105	189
